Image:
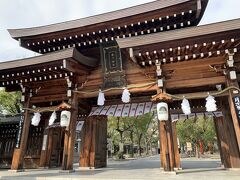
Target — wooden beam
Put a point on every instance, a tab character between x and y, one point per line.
49	98
117	92
132	57
193	110
200	95
75	67
47	84
199	8
200	63
133	100
170	84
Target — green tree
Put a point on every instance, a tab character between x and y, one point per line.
151	136
198	131
141	126
133	130
117	126
10	102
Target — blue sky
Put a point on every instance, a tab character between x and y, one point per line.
29	13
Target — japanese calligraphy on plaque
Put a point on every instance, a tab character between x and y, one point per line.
236	101
112	65
19	133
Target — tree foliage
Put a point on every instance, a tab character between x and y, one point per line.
133	130
141	126
10	102
196	130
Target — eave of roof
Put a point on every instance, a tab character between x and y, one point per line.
179	34
92	20
50	57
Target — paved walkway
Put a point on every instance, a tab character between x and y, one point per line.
141	169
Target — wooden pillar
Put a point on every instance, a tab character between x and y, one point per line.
170	144
163	147
232	81
177	163
65	149
94	142
166	145
70	134
44	151
222	138
231	137
234	116
22	138
72	131
165	134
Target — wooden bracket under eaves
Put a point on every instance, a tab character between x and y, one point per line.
161	97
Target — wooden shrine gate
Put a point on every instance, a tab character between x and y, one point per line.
154	51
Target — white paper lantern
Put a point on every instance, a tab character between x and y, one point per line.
36	119
162	111
65	118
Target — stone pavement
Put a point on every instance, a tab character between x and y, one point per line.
140	169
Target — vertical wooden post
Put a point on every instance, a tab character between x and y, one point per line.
49	147
69	138
85	143
165	135
170	144
19	152
166	145
160	148
222	139
231	137
72	131
177	163
232	94
94	142
65	150
163	147
234	114
44	153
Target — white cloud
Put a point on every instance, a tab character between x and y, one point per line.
29	13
